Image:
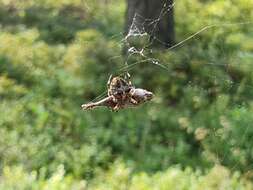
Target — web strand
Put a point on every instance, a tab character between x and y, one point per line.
147	59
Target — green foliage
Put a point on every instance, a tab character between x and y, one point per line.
56	55
173	178
17	178
120	177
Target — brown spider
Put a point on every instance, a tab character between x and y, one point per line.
121	94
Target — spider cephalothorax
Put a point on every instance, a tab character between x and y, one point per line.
118	86
121	94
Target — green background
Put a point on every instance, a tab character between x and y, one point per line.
196	133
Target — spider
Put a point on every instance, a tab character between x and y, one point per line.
119	88
121	94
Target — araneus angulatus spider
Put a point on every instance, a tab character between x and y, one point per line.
121	94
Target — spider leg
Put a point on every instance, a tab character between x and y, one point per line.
116	108
108	83
127	78
88	106
133	101
108	102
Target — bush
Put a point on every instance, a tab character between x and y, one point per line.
121	177
56	55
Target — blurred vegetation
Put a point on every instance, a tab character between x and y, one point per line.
119	177
197	132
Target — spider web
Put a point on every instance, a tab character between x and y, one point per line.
137	33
